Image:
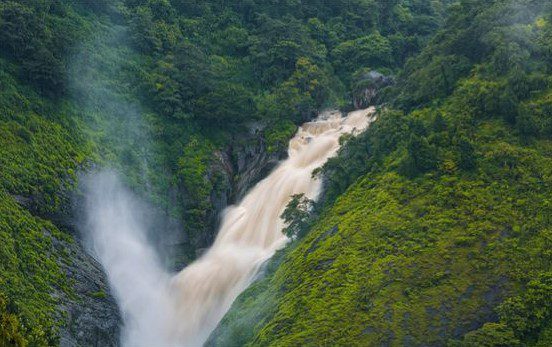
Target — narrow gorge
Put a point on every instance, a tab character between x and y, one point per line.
159	308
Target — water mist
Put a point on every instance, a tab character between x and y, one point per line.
183	309
116	233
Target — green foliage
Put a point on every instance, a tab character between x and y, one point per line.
39	158
489	335
99	294
300	96
420	157
372	51
30	273
297	216
535	117
226	105
193	166
39	35
258	49
277	136
531	311
432	80
10	328
474	31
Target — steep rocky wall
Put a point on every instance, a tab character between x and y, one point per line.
92	316
232	172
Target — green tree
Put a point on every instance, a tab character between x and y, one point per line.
227	104
297	216
420	157
10	328
490	335
371	51
531	311
467	154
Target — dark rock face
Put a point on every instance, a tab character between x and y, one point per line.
252	163
232	172
92	316
368	88
242	166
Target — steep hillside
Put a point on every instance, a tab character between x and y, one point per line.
435	227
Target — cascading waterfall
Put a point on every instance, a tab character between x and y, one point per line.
182	310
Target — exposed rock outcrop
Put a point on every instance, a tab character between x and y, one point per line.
232	172
92	316
368	87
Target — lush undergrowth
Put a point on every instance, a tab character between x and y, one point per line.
435	228
30	276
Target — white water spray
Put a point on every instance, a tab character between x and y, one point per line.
116	233
183	310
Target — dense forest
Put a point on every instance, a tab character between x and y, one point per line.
435	224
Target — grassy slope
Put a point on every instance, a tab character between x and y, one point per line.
416	262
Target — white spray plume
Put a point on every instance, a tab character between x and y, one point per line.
116	235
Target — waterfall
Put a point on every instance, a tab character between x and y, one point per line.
182	310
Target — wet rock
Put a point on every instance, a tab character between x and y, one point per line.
91	314
368	87
252	162
232	173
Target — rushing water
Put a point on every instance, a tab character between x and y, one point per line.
182	310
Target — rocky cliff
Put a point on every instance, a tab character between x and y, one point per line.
232	171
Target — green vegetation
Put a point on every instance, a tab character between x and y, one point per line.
39	158
153	88
10	333
30	275
435	227
297	216
435	224
278	136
